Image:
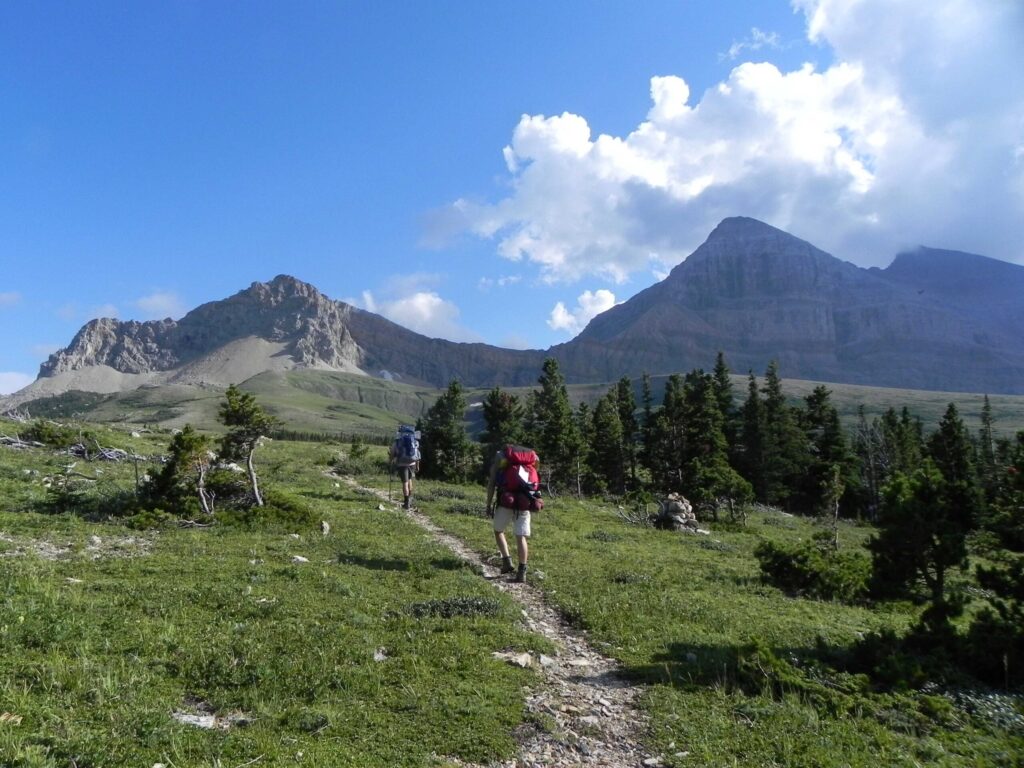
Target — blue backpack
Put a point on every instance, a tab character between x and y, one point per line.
407	445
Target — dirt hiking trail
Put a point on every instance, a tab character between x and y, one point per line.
597	722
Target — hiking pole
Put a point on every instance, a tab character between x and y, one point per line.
391	476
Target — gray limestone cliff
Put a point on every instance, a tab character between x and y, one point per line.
312	330
760	294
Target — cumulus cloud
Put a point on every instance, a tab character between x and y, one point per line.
161	304
12	381
424	312
589	304
9	298
910	136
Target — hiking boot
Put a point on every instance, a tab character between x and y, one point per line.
407	503
520	577
506	565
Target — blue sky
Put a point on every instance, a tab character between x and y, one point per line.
476	170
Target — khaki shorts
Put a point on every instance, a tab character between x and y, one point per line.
520	520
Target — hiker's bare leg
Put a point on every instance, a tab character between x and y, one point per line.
499	537
522	550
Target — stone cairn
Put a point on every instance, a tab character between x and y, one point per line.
675	513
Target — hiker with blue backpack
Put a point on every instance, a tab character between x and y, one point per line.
405	459
513	477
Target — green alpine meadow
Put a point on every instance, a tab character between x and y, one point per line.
217	596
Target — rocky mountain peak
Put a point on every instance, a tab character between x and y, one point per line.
284	289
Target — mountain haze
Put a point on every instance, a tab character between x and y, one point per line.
933	319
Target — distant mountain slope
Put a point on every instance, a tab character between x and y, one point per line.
932	320
277	326
758	294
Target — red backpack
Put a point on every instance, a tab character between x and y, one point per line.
518	481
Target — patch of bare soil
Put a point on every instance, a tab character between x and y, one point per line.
592	709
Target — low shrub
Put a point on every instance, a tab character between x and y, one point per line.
806	569
280	510
52	434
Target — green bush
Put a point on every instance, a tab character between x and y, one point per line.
806	569
51	434
280	510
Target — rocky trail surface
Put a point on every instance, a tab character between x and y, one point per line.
597	722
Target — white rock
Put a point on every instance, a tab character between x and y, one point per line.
293	536
95	541
546	661
523	660
199	721
299	559
380	655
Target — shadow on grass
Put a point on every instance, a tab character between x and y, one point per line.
751	667
442	563
321	495
374	563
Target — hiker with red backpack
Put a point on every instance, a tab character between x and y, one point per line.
514	478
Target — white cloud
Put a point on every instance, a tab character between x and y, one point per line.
424	312
9	298
161	304
588	305
755	42
12	381
486	283
909	137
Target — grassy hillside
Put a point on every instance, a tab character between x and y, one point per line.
326	401
376	650
111	637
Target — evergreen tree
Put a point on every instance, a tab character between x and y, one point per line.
708	478
447	453
751	455
608	445
626	404
664	449
247	425
726	404
997	633
987	468
181	481
503	424
922	536
646	422
951	450
556	436
829	453
785	448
